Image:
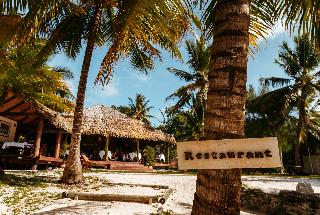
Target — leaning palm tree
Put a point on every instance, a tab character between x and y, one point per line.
197	79
303	84
233	25
66	24
139	108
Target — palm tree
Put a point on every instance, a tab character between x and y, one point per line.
185	124
139	108
67	23
197	79
39	83
302	86
233	25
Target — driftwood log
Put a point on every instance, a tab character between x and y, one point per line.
118	197
110	197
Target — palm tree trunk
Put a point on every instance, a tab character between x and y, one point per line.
300	125
73	171
218	191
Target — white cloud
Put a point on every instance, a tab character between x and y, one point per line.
110	90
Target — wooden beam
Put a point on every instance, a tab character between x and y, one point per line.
19	114
15	106
23	118
9	104
30	120
22	108
58	143
39	136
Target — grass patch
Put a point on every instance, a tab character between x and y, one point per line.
24	181
24	194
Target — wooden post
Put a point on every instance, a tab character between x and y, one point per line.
107	147
137	149
168	152
58	143
39	136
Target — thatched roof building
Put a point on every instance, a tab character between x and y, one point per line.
103	120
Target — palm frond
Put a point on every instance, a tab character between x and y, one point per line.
275	82
135	23
183	75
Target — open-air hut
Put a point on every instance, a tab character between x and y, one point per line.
47	127
100	123
21	117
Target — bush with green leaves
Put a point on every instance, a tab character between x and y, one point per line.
150	154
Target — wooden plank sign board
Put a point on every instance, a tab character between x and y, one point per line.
229	154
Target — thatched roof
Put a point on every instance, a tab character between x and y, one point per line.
106	121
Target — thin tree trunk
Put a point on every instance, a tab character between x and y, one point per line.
300	125
73	171
218	191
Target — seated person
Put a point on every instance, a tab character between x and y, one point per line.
109	155
102	154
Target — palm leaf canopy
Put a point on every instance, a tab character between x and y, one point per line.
136	28
296	15
40	83
140	27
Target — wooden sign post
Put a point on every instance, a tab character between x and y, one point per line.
229	154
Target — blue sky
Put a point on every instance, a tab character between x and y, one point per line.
156	86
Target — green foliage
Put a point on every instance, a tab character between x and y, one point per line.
38	82
122	109
290	110
66	24
140	109
150	154
197	79
185	124
137	108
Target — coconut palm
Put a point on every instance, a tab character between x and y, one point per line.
197	79
233	25
302	86
40	83
139	108
131	28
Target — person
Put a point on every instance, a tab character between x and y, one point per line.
162	158
102	153
109	155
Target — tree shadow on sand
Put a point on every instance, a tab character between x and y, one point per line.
82	208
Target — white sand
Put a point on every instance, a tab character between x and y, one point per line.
180	202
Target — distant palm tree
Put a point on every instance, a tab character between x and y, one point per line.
197	79
301	88
139	108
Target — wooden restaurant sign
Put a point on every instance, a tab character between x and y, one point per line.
229	154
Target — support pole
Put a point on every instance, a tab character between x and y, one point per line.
58	144
168	153
137	149
107	147
39	136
